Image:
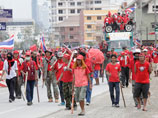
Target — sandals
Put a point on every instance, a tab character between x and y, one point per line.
81	114
144	110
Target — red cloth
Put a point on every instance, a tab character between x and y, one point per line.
1	65
48	60
131	66
122	27
114	71
148	58
122	61
89	64
59	68
33	48
67	75
125	19
119	19
97	67
155	58
142	76
107	20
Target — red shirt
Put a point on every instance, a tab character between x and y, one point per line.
97	67
119	19
59	68
107	20
114	71
89	64
131	66
28	64
155	58
67	75
125	19
1	65
142	73
122	61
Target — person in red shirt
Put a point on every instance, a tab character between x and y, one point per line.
67	82
155	61
119	20
125	19
147	56
30	67
58	67
132	72
124	62
142	70
113	52
18	81
107	21
113	71
1	63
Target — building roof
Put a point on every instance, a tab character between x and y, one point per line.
70	22
98	12
144	3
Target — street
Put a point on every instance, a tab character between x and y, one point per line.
100	106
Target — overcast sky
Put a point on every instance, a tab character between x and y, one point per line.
22	8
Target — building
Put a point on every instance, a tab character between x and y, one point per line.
145	20
20	29
35	11
68	32
91	24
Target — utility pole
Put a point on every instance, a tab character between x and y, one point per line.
140	27
155	21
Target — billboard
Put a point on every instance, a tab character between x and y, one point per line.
2	26
6	13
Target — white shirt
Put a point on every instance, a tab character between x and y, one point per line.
12	70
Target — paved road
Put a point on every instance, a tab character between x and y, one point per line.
101	106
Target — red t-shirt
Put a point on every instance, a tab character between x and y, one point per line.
97	67
142	73
114	71
155	58
119	19
58	67
122	61
131	66
1	65
89	64
28	64
67	75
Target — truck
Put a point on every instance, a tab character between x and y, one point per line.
118	40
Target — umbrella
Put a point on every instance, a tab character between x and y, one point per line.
96	56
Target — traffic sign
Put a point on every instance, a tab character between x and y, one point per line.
6	13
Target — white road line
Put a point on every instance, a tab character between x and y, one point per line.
11	110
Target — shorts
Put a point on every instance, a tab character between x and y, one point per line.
80	93
141	88
155	66
96	74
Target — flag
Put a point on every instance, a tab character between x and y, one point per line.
130	10
2	83
153	33
43	46
33	47
7	44
137	42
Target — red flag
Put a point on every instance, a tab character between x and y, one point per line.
33	47
109	14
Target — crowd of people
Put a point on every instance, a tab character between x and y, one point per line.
71	73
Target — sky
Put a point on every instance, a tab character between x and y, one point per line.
21	8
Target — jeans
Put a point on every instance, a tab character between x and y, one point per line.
89	92
60	85
11	86
29	90
112	85
18	84
125	76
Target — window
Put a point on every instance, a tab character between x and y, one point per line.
99	17
89	26
60	11
71	28
60	4
97	8
71	37
60	18
72	3
79	3
89	35
91	2
78	10
63	37
98	2
72	11
89	18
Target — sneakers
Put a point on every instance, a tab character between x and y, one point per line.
29	103
68	108
87	103
113	105
81	114
10	100
117	105
62	104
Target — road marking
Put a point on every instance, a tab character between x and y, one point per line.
11	110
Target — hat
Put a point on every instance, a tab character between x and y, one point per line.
60	54
141	54
28	53
136	51
48	50
80	57
145	50
16	52
66	56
